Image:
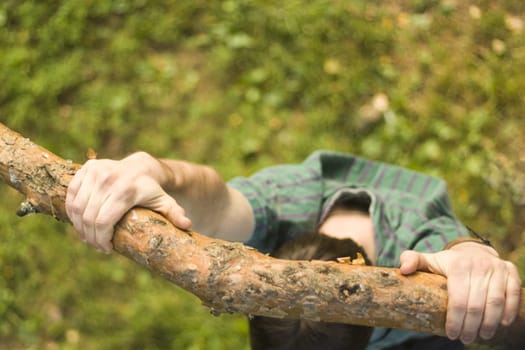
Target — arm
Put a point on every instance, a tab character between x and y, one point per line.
189	195
214	208
483	289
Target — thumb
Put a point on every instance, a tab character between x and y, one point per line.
412	261
166	205
172	211
152	196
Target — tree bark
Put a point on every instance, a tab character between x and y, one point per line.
233	278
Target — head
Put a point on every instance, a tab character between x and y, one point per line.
287	334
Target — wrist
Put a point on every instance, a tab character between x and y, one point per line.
476	240
468	243
149	166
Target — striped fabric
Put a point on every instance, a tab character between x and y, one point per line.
409	210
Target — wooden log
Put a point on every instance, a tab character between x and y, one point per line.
233	278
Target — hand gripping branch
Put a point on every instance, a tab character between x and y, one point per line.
233	278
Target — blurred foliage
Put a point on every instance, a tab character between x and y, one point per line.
436	86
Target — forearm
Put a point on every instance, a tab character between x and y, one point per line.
189	195
200	190
483	289
213	208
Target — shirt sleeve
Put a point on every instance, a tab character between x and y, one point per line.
409	221
285	200
409	210
441	227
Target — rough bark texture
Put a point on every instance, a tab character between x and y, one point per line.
233	278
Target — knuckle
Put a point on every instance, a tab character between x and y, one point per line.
108	179
465	265
514	292
140	155
457	305
496	301
510	266
87	218
89	163
122	189
500	265
503	267
513	271
130	193
102	222
483	266
475	310
72	191
76	209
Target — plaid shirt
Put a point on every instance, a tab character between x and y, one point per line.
409	210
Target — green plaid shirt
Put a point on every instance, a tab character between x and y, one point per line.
409	210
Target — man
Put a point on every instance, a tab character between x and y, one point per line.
398	216
288	334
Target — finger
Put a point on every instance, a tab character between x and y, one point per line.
409	260
175	213
513	295
120	198
458	287
73	189
477	298
107	192
90	215
78	205
109	214
412	261
495	302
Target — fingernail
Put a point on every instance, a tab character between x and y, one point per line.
452	335
467	340
487	335
507	321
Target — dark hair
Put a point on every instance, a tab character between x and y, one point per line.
289	334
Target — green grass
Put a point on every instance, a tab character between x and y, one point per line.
241	85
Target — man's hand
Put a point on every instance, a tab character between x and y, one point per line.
102	191
483	290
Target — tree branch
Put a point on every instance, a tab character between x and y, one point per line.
233	278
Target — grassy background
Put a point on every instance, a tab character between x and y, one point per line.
436	86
